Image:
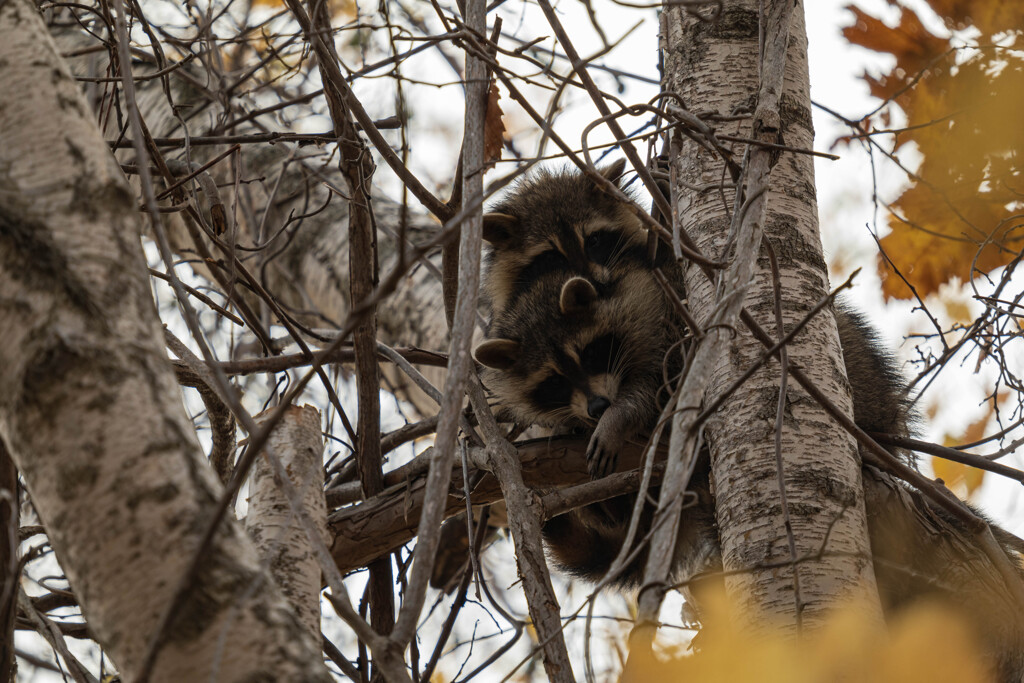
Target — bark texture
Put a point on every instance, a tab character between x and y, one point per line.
90	408
718	63
298	444
9	566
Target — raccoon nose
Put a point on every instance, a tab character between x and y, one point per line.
596	405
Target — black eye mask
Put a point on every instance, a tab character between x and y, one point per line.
599	356
600	246
553	393
543	264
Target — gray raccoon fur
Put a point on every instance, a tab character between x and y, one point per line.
560	222
537	370
553	360
557	228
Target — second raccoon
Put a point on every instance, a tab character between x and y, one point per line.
562	357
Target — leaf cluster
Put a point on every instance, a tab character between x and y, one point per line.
961	91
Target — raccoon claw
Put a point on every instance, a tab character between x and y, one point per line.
602	453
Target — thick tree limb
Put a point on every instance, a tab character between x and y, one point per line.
368	530
90	411
298	445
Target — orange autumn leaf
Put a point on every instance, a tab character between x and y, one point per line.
960	218
943	238
910	42
988	16
927	271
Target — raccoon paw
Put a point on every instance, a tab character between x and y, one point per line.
603	451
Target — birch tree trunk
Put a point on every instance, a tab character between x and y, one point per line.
91	412
9	566
282	542
718	63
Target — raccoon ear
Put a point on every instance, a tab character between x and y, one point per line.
498	227
613	172
500	354
577	296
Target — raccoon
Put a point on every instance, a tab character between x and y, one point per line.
558	238
582	337
561	223
563	357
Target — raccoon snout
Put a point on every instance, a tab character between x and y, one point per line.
596	405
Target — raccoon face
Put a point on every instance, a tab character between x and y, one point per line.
559	224
564	356
572	386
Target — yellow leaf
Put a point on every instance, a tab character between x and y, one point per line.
960	217
926	643
963	479
959	311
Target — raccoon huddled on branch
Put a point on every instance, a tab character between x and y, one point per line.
568	273
583	338
569	267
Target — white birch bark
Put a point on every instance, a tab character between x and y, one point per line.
718	63
90	410
298	445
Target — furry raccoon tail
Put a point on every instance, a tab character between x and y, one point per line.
584	543
880	400
585	546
